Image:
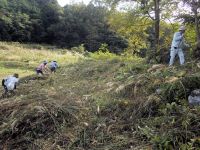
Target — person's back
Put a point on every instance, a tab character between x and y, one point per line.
41	66
53	66
177	39
11	82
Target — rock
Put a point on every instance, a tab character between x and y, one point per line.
194	97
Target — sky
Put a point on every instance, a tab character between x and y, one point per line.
64	2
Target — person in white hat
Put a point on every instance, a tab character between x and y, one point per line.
176	48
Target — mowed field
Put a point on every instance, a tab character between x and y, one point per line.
68	109
99	101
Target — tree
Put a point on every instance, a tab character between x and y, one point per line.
44	21
195	5
132	27
155	10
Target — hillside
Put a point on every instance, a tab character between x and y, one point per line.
98	102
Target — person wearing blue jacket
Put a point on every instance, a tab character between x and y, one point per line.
176	48
53	66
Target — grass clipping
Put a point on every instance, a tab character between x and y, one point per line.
23	122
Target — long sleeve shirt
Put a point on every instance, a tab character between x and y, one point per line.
177	39
53	64
10	82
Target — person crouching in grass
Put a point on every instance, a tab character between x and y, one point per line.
10	83
42	68
53	66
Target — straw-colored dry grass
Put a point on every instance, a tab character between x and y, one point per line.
61	110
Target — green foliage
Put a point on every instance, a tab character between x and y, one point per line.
92	25
22	20
131	27
190	35
104	55
160	142
46	22
176	125
103	48
79	49
179	91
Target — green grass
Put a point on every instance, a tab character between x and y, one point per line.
24	58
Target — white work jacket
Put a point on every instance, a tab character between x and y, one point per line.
178	40
10	82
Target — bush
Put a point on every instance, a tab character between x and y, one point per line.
180	90
79	49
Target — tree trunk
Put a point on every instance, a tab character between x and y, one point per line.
157	21
197	25
195	11
155	46
195	6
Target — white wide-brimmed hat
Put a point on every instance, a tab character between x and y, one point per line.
182	28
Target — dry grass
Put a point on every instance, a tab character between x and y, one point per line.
99	103
61	109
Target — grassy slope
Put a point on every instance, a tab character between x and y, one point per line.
100	102
24	58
